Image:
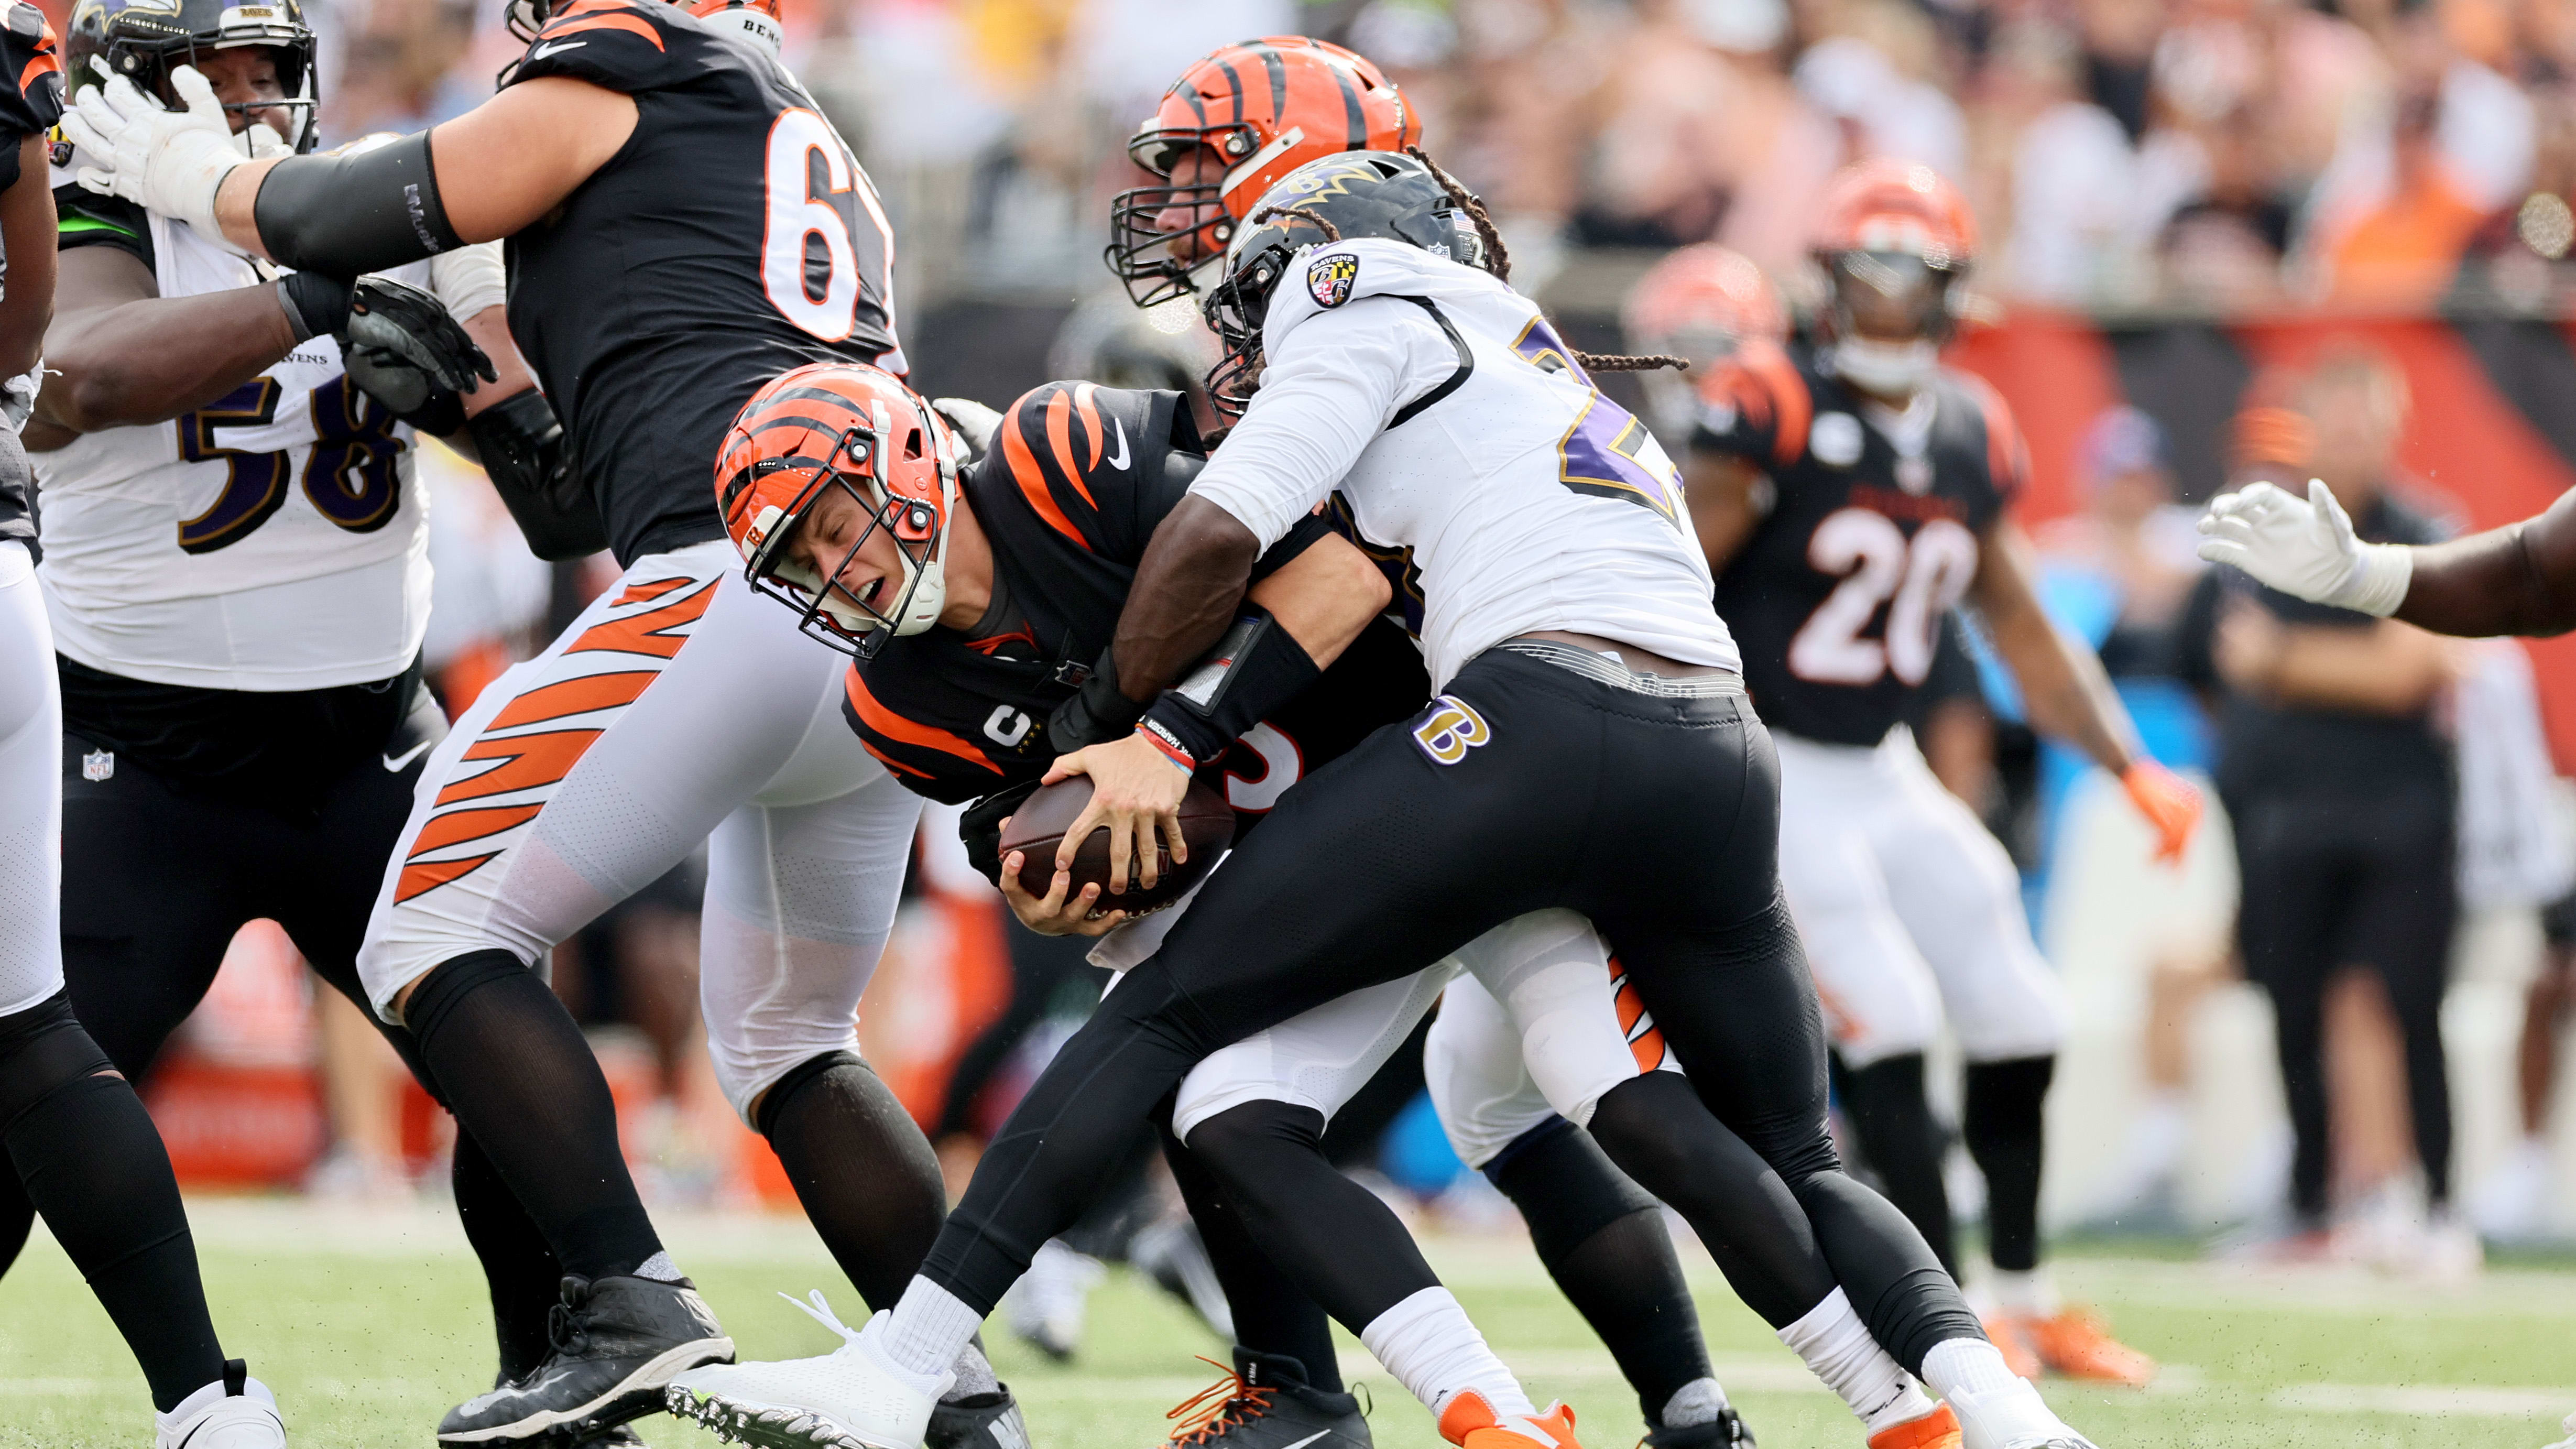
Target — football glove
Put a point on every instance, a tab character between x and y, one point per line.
407	328
522	447
2169	803
974	422
980	828
2305	547
172	162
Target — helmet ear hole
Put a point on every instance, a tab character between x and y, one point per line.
912	447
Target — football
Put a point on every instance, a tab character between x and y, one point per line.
1207	823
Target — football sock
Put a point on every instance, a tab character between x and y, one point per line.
1838	1349
2031	1294
929	1328
93	1164
1333	1237
1427	1342
525	1277
1895	1283
2002	1120
867	1177
1272	1315
1603	1240
1885	1104
520	1077
1994	1404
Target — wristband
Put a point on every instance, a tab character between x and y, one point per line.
314	304
1257	667
1161	739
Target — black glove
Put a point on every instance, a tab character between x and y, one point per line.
523	450
980	827
410	329
407	392
1096	714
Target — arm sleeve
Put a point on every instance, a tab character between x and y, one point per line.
88	219
1333	384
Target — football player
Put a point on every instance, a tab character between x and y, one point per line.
238	584
1846	498
78	1140
1590	750
682	225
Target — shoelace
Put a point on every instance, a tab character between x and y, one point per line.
821	1312
1215	1411
567	1328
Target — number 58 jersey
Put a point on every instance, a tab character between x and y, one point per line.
1837	597
271	540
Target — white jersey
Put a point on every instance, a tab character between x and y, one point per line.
272	540
1457	426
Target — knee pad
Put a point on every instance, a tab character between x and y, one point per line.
450	982
1565	1187
43	1050
798	1077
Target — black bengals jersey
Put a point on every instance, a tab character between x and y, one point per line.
1069	493
31	100
1837	597
732	238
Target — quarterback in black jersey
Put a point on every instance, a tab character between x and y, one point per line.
1848	495
681	226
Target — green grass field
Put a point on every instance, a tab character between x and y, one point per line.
369	1323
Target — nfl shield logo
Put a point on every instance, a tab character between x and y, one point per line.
98	765
1329	278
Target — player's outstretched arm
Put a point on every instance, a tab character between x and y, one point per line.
2518	579
2065	691
119	354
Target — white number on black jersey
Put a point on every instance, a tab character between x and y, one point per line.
1877	563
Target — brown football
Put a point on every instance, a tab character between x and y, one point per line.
1037	827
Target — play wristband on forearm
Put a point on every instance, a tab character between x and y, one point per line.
315	305
1254	669
350	215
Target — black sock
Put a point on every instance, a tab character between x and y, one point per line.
1888	1112
523	1273
1272	1315
1328	1233
93	1164
17	1220
867	1177
1603	1240
2003	1122
519	1076
1654	1127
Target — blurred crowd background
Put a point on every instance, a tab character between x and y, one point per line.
2220	239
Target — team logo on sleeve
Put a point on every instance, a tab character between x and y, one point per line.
1329	278
1449	729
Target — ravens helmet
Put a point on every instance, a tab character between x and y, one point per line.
144	40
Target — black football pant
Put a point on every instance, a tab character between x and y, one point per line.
1546	776
157	879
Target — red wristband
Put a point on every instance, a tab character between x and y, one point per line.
1170	747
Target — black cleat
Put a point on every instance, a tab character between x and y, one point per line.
617	1342
1726	1431
978	1421
1266	1404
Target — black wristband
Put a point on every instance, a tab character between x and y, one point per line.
1257	667
350	215
315	305
1096	714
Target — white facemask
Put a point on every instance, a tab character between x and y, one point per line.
1890	369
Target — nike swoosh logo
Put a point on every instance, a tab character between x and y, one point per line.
1309	1439
553	46
395	763
1118	460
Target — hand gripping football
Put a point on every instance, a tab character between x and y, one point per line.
1036	828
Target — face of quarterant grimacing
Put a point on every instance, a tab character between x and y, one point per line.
874	575
246	76
1186	224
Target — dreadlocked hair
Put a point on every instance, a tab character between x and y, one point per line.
1314	219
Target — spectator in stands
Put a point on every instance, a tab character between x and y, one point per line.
2075	223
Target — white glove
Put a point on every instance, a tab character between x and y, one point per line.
2305	547
974	422
167	161
469	279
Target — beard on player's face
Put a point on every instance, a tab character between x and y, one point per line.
1189	223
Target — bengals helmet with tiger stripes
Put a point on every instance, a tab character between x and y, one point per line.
859	429
1262	109
1700	303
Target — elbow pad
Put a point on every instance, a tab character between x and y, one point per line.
523	450
1257	667
350	215
1096	714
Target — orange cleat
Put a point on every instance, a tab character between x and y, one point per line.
2011	1335
1936	1430
1471	1423
2080	1346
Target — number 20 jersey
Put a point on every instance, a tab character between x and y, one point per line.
273	539
1837	597
731	238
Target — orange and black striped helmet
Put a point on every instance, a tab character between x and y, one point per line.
1259	110
856	429
1699	302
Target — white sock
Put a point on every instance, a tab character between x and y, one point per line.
1698	1402
2032	1294
659	1268
1995	1405
1427	1342
929	1329
1839	1350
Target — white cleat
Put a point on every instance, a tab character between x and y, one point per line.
2570	1441
1046	1308
234	1412
2011	1416
855	1397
